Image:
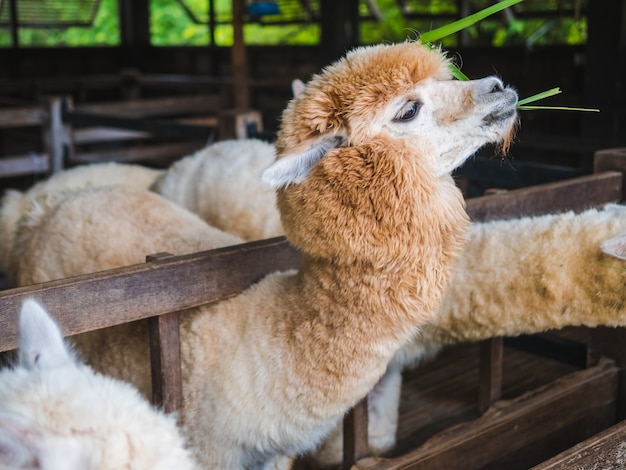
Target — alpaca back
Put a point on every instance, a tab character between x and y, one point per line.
80	232
95	229
56	413
27	207
222	184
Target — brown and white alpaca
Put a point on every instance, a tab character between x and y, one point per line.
364	190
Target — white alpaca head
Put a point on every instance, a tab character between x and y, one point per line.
56	413
402	92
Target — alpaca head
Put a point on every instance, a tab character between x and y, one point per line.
364	146
57	413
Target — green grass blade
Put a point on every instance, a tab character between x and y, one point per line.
539	96
557	108
456	26
456	73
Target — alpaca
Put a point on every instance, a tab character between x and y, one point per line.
221	183
96	228
15	203
56	413
364	190
554	275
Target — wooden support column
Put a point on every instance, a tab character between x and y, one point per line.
241	98
167	388
56	136
14	22
490	380
134	29
355	446
340	28
612	160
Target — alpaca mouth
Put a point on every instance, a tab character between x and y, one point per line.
499	116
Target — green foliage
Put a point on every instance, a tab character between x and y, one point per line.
171	25
104	32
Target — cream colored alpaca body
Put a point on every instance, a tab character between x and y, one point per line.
221	183
364	191
16	203
56	413
534	274
79	232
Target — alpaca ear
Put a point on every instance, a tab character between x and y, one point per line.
294	168
297	87
41	342
615	246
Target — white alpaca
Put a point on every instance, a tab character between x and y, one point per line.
221	183
56	413
16	203
364	190
77	232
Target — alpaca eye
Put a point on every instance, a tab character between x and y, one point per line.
408	112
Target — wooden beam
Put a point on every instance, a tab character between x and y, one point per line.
575	194
151	152
24	165
141	291
612	160
355	441
583	401
23	117
490	373
165	362
239	57
604	450
156	107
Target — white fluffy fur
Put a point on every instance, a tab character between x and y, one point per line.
15	203
206	182
56	413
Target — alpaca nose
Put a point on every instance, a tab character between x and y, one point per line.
496	85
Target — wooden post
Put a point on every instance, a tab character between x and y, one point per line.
241	98
167	388
611	160
490	385
355	445
14	21
56	135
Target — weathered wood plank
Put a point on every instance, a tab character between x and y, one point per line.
154	107
490	373
105	134
24	165
575	194
165	363
167	381
355	443
515	424
612	160
108	298
152	152
604	450
23	117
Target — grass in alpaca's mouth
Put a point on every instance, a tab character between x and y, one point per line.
456	26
